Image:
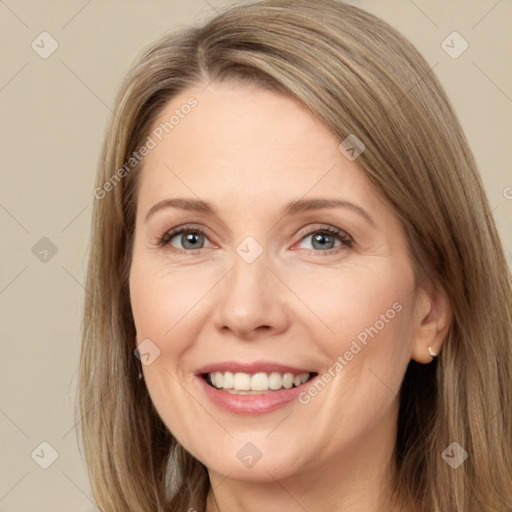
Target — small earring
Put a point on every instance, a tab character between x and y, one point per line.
431	352
141	376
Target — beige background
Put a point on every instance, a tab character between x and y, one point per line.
53	116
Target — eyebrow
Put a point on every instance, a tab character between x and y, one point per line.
299	206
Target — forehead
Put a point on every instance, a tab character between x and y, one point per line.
240	139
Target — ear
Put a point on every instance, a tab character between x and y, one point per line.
432	321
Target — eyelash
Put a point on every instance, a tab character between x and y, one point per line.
345	239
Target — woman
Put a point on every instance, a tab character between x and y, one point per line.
297	297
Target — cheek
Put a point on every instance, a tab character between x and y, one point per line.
357	303
161	299
364	334
163	311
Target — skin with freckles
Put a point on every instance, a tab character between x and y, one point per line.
324	276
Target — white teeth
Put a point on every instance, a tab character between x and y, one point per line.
257	382
241	382
288	380
228	380
275	381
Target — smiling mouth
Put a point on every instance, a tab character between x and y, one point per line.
240	383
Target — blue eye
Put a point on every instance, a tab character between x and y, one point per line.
190	238
323	241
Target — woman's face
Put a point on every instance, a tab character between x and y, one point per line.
290	268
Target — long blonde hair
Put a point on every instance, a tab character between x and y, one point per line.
359	76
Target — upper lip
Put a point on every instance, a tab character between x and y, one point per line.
251	368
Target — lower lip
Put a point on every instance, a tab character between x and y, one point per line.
251	404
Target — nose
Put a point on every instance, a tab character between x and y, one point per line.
251	302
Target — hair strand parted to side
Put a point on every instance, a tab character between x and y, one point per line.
359	76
